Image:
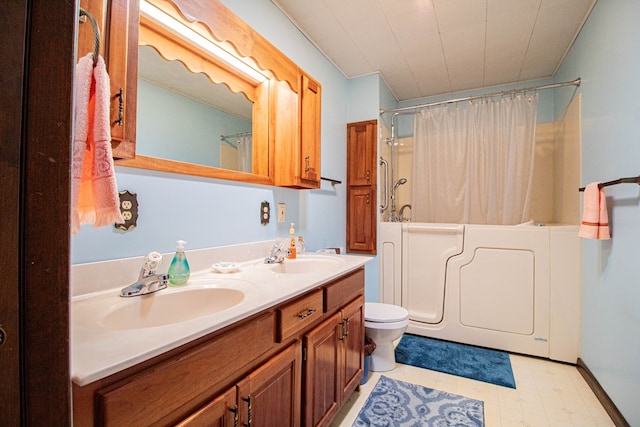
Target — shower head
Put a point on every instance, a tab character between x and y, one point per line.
399	183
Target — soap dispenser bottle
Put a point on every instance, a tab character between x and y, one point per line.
292	242
179	270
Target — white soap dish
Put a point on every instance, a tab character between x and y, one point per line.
226	267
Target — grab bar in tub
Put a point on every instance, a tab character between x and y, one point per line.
384	206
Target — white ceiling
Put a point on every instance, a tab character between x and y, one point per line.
429	47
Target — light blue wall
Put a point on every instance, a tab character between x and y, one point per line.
207	212
606	56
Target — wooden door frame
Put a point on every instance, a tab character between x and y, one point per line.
38	50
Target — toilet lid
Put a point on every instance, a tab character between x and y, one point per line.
378	312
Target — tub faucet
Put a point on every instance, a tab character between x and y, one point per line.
148	281
401	213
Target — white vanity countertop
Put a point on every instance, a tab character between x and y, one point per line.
98	350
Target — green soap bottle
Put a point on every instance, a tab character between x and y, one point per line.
179	270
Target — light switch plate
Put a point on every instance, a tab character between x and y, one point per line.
282	210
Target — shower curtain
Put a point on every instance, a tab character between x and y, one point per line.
244	153
473	162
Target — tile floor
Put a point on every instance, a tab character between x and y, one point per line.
548	394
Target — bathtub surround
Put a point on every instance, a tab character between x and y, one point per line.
402	404
482	364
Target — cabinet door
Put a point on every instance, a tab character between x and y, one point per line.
118	21
351	366
270	396
310	105
221	412
361	153
322	389
361	215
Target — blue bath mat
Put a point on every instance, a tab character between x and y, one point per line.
477	363
394	403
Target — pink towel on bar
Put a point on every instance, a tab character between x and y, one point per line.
94	191
595	219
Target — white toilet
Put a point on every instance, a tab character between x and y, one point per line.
384	323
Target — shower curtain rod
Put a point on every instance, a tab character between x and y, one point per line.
223	138
575	82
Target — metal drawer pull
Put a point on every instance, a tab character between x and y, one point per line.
248	400
307	313
120	96
235	415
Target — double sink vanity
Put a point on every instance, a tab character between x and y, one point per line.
267	345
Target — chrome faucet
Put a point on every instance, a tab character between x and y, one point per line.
148	281
401	213
278	252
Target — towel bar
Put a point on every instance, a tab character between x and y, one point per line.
631	180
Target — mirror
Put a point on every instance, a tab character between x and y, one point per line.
174	102
184	135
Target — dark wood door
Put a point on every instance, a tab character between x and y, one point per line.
270	396
322	391
361	153
220	412
352	364
36	71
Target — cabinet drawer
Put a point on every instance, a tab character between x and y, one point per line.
166	389
343	290
298	314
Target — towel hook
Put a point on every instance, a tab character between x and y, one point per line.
96	34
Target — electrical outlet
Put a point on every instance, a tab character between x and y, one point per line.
282	212
265	213
129	210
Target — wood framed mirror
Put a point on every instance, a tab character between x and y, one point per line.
185	72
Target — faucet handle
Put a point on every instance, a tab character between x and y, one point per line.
150	264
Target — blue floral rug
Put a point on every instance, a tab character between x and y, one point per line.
394	403
477	363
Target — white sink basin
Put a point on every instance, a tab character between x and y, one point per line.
165	308
307	265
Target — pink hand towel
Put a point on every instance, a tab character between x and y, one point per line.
595	219
94	191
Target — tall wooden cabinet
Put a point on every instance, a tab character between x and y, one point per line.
118	22
361	187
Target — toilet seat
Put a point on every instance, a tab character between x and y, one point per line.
375	312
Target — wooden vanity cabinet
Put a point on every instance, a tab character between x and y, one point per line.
257	368
269	396
118	21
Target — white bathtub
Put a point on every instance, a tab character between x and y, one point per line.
514	288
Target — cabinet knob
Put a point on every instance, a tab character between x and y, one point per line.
307	161
368	175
